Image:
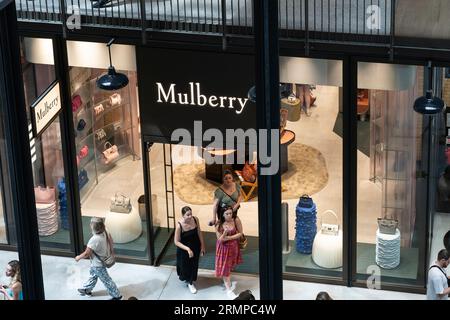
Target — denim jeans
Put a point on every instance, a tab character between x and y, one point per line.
102	274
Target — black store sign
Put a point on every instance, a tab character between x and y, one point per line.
178	87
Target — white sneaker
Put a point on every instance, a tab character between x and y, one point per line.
231	294
192	288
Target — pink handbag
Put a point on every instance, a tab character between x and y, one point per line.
84	152
98	109
115	100
44	195
76	103
110	153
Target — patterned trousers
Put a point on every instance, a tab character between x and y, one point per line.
102	274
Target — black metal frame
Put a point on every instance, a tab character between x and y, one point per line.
265	15
402	51
18	155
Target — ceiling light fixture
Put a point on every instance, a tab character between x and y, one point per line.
429	104
112	80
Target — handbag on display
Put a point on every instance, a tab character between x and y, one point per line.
84	152
83	178
44	195
81	125
100	134
327	246
76	103
110	153
292	98
331	229
120	203
99	109
115	100
387	226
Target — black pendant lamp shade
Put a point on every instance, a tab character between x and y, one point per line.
112	80
284	92
429	104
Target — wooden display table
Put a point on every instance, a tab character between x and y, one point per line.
214	171
293	108
287	137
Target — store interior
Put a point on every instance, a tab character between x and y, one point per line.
110	166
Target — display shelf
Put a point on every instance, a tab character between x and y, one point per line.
115	120
109	110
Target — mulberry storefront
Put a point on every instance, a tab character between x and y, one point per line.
352	150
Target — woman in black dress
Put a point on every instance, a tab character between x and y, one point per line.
189	241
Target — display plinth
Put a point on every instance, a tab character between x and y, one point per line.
124	227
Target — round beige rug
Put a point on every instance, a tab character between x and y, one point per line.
307	174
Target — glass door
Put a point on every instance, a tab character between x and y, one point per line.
311	164
392	171
161	197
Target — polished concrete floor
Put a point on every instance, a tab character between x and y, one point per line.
62	276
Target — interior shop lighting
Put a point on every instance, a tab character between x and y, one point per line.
112	80
284	92
429	104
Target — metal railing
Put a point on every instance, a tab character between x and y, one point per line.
346	20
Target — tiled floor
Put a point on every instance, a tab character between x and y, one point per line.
62	276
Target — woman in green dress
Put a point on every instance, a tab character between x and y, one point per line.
228	194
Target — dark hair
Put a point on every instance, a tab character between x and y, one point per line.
15	266
185	209
447	170
323	296
221	210
443	254
226	172
132	298
245	295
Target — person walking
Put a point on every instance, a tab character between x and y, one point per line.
228	252
190	245
437	286
13	291
99	249
229	194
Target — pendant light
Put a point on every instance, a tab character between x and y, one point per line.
429	104
112	80
284	92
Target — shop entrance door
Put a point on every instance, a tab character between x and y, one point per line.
161	197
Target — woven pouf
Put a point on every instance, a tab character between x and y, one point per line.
305	225
388	250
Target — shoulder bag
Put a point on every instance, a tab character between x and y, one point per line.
120	203
234	200
110	259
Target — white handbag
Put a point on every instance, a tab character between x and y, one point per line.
327	245
115	100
